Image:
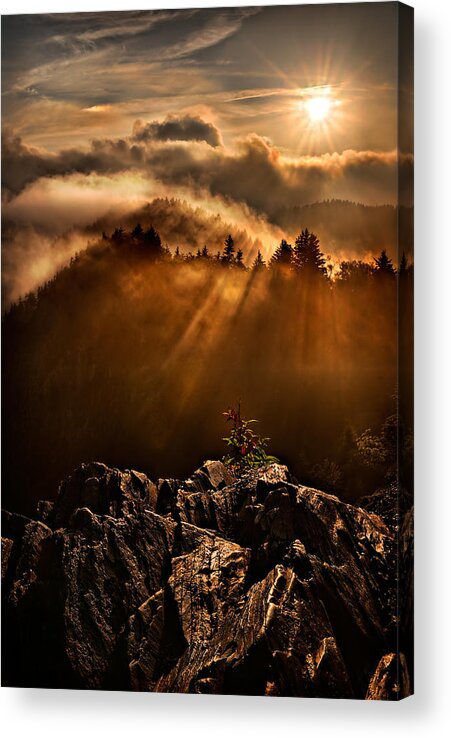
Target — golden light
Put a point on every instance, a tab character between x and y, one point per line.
98	109
319	115
318	108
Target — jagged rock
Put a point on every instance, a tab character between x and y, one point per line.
7	547
390	681
212	475
198	502
272	477
104	491
192	500
73	594
167	496
391	503
255	585
45	512
406	581
26	539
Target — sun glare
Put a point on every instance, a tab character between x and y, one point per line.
319	116
318	108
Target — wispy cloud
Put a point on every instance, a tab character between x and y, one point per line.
94	46
220	26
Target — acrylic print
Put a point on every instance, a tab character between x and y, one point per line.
207	265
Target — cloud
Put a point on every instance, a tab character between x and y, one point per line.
255	173
110	55
23	164
177	128
53	205
53	202
110	26
216	27
252	172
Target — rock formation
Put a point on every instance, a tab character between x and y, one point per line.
256	585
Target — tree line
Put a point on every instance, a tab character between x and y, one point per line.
304	256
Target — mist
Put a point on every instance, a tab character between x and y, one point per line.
131	361
54	218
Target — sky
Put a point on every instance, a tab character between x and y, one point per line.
242	111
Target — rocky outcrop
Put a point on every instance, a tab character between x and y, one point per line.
391	680
104	491
256	585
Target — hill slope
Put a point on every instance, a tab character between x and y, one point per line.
132	360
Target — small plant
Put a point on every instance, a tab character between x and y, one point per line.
246	449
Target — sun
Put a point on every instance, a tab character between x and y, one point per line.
318	108
318	117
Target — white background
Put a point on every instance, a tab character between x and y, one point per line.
82	714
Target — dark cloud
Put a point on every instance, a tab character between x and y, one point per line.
23	164
256	174
253	172
177	128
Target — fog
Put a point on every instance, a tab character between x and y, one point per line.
131	361
53	218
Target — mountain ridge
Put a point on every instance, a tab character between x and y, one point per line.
216	584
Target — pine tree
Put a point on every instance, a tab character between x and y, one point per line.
384	264
153	243
307	255
402	271
239	258
283	255
229	249
205	253
118	235
259	262
137	231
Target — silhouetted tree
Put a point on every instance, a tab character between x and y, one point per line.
205	253
384	264
137	231
229	249
403	265
354	271
118	235
283	255
307	255
259	262
239	258
153	243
